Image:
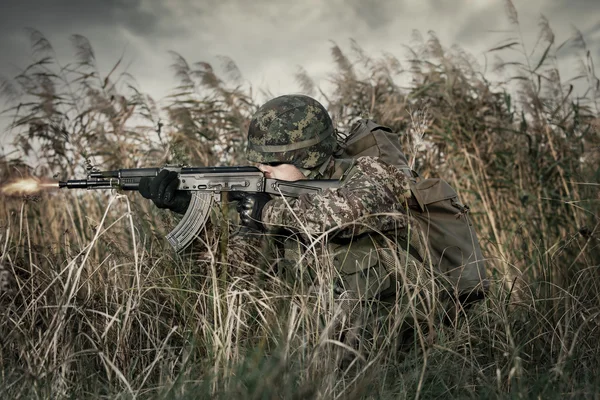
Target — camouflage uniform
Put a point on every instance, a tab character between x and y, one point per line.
357	218
364	222
358	239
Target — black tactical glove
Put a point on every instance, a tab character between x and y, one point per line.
162	190
250	207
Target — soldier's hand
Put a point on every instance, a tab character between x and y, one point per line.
162	190
250	207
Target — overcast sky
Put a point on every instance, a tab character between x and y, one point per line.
269	39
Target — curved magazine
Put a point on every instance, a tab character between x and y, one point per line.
192	222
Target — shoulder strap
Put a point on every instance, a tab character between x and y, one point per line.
368	138
340	167
361	128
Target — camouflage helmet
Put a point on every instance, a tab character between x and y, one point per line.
294	129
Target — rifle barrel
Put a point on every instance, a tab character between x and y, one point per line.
90	184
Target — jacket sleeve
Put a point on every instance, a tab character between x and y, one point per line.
371	187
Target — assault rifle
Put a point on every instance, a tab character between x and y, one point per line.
206	184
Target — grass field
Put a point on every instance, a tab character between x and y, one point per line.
95	304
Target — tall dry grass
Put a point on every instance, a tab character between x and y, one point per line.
94	304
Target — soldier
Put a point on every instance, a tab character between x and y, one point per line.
361	235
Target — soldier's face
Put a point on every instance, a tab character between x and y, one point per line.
284	172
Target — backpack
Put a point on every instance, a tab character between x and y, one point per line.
453	245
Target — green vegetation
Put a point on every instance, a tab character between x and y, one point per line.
95	304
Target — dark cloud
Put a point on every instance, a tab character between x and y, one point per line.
113	27
573	11
71	15
268	39
376	14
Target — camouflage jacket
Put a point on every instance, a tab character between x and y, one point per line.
372	199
